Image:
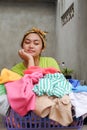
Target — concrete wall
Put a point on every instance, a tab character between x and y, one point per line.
82	39
16	17
72	39
65	43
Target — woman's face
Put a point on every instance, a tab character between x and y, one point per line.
33	44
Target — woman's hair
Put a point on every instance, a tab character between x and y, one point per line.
41	34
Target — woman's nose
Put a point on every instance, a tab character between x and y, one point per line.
31	45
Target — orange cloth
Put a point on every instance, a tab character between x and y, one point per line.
8	75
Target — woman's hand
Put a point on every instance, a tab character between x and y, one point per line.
26	57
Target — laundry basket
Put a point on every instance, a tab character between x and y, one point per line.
33	122
1	123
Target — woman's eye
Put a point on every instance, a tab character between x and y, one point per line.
36	43
27	42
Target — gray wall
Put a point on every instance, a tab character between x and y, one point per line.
16	17
66	43
72	40
82	39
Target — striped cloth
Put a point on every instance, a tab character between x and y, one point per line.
53	85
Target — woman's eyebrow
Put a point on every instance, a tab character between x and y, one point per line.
27	39
36	40
31	39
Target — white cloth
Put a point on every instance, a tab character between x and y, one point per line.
4	105
79	101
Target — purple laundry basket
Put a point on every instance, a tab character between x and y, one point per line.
33	122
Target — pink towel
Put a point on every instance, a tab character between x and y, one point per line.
20	94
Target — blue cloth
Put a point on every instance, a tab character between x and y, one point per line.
74	82
77	87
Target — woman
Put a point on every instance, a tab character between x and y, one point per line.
33	44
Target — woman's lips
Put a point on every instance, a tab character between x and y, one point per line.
30	51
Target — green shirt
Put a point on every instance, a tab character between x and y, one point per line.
45	62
